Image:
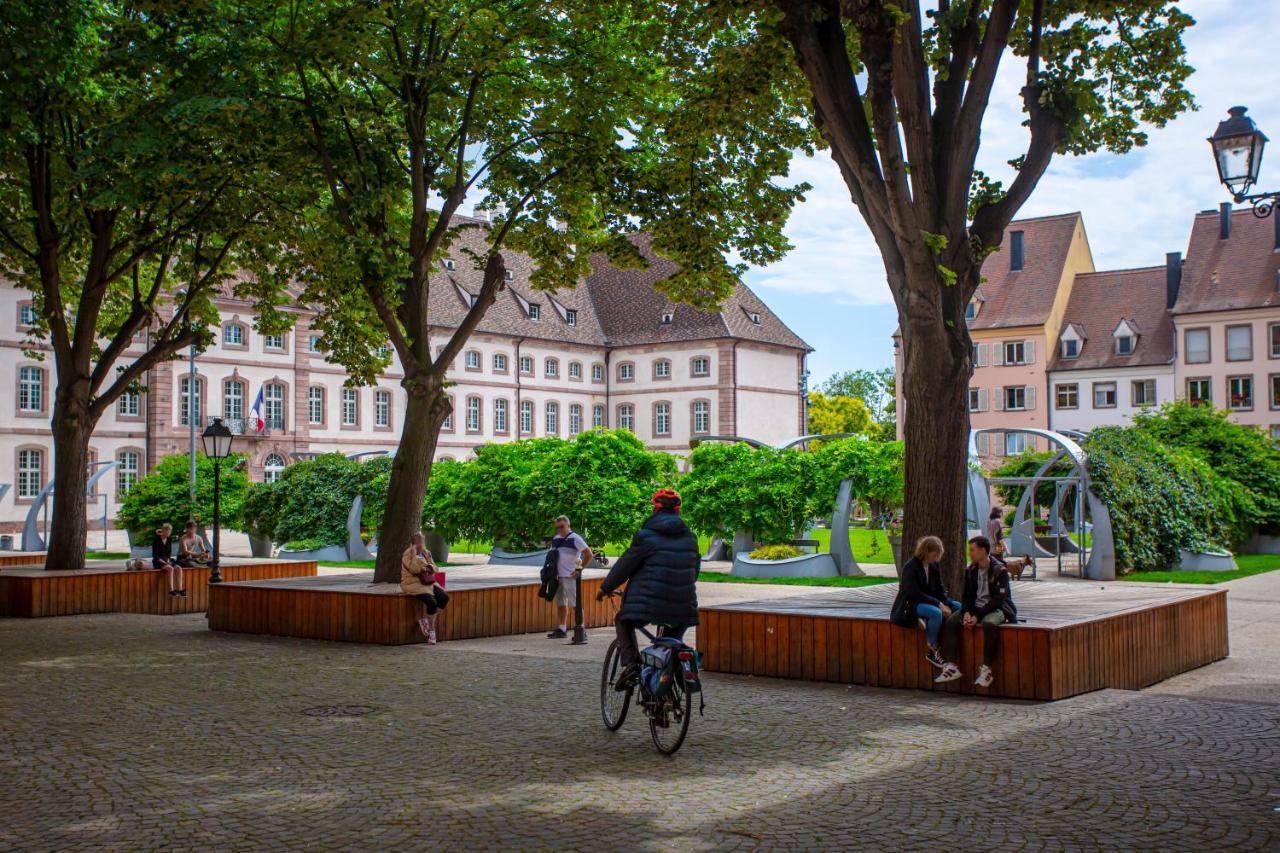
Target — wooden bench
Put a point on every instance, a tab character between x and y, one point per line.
22	558
484	601
104	586
1076	638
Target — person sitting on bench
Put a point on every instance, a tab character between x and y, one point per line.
922	597
162	560
191	550
987	602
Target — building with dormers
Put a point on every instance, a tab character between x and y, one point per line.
612	352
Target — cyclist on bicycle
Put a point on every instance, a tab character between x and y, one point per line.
661	572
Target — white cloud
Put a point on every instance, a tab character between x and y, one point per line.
1136	207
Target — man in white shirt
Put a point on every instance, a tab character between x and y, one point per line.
572	551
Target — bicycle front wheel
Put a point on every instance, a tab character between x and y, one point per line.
613	703
670	723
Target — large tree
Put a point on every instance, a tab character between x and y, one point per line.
128	187
576	121
899	91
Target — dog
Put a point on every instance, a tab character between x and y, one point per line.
1017	565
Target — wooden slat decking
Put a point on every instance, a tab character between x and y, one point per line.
22	558
484	601
105	587
1076	638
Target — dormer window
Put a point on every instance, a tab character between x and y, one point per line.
755	318
448	264
1124	344
1070	348
535	312
971	310
667	318
508	275
571	316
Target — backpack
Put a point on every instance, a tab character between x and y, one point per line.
548	578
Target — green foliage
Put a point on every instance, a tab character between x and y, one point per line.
311	500
164	495
735	486
1243	454
874	466
1026	465
776	552
832	415
511	492
1160	499
877	389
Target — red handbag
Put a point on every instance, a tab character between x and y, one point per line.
428	577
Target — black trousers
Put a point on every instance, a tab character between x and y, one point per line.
626	630
435	600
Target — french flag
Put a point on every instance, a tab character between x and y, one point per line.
256	412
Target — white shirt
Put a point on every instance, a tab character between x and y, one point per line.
568	557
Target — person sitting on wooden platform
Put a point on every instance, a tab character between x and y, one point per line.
191	551
923	598
418	578
162	560
987	602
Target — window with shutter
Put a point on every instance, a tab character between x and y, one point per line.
1028	352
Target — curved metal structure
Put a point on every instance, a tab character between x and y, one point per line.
31	538
1101	564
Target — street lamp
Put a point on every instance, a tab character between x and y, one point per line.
217	446
1237	152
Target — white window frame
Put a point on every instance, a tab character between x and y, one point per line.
526	417
597	416
128	470
271	470
1064	388
627	417
1148	399
500	414
29	479
701	417
30	389
1202	382
1208	345
700	366
575	418
381	407
662	419
1103	388
315	405
1246	349
350	407
1231	394
551	418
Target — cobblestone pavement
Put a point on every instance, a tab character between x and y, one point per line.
138	732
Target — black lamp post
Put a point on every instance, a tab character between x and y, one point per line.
217	446
1237	152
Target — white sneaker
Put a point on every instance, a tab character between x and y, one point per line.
431	638
950	672
425	627
985	677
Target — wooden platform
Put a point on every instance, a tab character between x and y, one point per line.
1076	638
21	558
105	587
484	601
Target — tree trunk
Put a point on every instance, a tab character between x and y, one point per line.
410	473
72	426
936	372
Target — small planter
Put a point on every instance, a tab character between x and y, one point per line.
1205	561
259	545
503	557
805	566
329	553
895	545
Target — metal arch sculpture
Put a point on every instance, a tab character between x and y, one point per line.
31	538
1101	564
841	549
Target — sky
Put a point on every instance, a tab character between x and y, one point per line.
830	289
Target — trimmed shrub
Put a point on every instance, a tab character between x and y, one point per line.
164	495
776	552
311	500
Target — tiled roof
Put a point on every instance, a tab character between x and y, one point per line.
631	309
1025	297
1238	272
1100	301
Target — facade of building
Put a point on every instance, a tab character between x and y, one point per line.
612	352
1227	317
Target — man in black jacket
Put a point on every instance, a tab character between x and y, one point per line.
987	602
660	570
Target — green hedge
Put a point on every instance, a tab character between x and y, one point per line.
164	495
311	500
1160	498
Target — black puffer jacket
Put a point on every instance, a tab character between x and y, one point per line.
661	572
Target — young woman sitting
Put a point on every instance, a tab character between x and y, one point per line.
162	560
922	597
418	578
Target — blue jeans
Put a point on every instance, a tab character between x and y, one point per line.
932	617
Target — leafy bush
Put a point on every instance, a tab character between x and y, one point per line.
510	493
1243	454
164	495
305	544
874	466
312	498
1160	499
776	552
763	490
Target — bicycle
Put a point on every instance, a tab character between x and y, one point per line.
668	713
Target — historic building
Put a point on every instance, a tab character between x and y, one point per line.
612	352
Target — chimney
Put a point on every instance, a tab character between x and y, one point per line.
1224	220
1172	278
1016	251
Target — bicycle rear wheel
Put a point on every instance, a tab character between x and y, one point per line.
669	725
613	703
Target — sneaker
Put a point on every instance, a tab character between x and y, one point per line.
425	627
557	634
934	656
173	593
985	677
950	672
182	593
627	678
431	638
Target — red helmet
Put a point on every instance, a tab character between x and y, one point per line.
666	500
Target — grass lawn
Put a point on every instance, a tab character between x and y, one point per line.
723	577
106	555
363	564
1249	564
